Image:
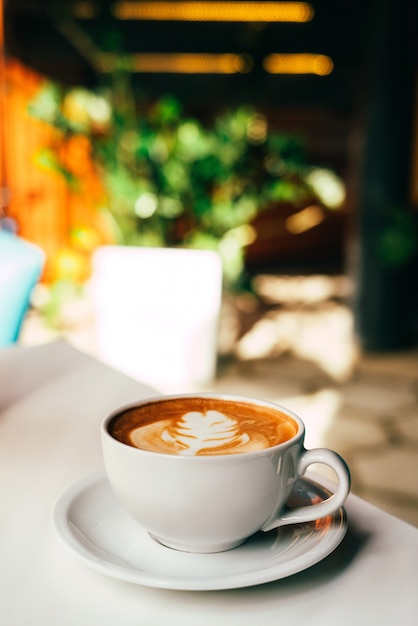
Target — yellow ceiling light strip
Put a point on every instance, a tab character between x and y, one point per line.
227	63
302	63
215	11
182	63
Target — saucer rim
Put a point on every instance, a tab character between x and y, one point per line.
69	534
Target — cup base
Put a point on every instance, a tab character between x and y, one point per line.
207	549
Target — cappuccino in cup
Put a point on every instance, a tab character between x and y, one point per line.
202	426
203	472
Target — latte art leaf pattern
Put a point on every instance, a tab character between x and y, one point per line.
197	431
195	426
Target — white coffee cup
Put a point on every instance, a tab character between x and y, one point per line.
213	503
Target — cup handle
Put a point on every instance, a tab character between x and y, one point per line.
313	512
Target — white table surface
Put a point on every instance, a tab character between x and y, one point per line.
52	400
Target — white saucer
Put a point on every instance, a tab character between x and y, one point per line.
93	525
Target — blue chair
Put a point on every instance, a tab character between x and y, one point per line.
21	265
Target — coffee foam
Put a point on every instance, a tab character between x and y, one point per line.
195	433
211	427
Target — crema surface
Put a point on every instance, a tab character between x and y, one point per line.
202	426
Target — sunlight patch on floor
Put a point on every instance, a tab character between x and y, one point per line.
309	324
324	337
301	289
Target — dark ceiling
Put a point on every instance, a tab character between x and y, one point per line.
46	35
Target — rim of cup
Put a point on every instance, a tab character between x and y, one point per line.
216	396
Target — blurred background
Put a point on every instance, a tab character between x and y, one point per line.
280	136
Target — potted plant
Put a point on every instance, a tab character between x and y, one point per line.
174	180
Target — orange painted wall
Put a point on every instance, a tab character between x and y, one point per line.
46	211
